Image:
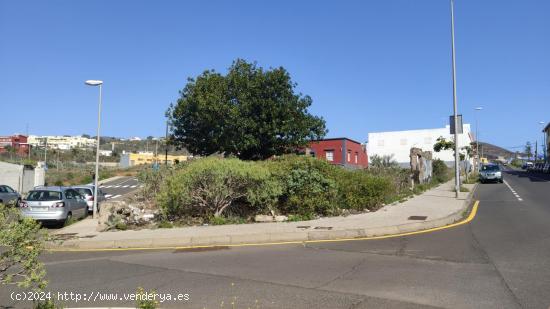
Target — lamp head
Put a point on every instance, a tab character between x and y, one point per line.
92	82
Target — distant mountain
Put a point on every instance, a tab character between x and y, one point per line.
492	152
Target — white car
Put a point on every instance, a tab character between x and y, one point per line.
88	192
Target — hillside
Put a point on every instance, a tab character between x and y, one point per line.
492	152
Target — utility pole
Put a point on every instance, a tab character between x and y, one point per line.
166	147
46	151
455	109
536	150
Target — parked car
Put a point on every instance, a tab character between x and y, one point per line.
88	192
546	168
490	172
9	196
538	168
54	204
527	165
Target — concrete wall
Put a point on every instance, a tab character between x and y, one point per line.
399	143
21	178
11	175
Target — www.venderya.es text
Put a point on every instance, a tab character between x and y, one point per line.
99	296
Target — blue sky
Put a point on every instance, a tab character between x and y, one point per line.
368	65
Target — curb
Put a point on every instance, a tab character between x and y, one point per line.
264	238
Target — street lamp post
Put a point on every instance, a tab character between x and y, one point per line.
477	139
455	109
96	175
544	146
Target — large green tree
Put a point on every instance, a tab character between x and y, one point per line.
251	113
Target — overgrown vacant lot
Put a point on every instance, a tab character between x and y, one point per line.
217	190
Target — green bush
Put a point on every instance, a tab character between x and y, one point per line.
309	186
223	191
440	171
22	242
359	190
210	186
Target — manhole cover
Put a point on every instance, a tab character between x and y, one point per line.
418	217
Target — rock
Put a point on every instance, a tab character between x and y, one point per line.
115	213
148	217
263	218
281	218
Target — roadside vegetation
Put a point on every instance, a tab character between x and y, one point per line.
229	190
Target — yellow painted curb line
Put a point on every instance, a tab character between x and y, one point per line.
470	217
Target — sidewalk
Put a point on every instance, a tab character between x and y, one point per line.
438	205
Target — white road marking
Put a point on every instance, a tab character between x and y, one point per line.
133	186
125	186
108	195
116	196
513	191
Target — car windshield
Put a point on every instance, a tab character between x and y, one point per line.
84	191
490	168
44	195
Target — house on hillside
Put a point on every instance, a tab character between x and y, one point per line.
17	142
340	151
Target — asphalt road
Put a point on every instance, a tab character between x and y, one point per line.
499	260
117	188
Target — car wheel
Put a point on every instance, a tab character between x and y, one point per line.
68	219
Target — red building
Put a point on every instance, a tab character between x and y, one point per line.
18	142
341	151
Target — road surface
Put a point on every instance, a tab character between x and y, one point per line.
115	189
500	260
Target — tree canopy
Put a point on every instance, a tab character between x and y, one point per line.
250	113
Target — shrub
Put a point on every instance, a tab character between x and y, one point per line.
308	186
21	242
400	178
153	180
207	187
358	190
440	171
144	299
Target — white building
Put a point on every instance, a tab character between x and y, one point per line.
399	143
61	142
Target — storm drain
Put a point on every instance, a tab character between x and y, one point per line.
421	218
323	227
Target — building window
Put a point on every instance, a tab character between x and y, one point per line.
329	155
403	141
349	156
381	142
356	155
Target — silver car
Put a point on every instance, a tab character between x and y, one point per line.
490	172
88	192
54	204
8	196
